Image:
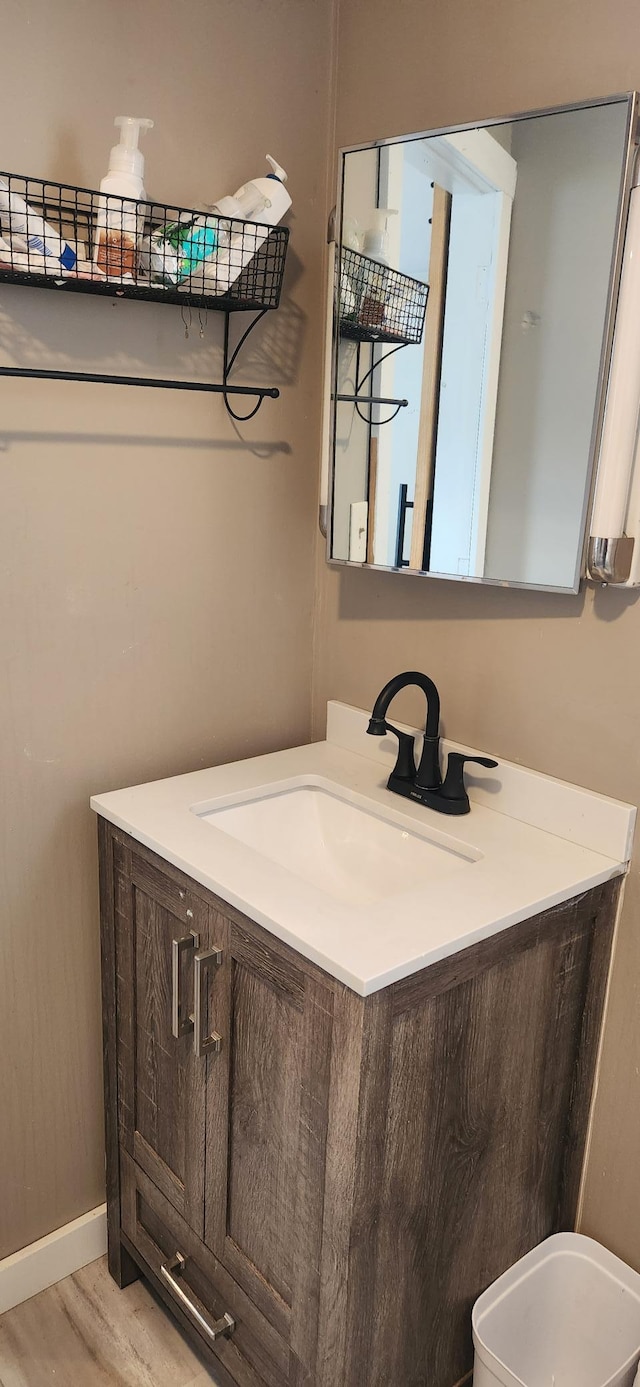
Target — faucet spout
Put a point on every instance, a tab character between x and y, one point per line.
428	773
402	681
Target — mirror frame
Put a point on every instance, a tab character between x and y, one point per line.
632	140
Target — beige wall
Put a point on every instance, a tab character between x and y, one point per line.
156	571
553	682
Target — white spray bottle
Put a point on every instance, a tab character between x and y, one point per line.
263	200
117	230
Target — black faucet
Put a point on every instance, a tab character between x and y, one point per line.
424	784
427	776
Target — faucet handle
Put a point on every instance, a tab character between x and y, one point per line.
405	767
453	787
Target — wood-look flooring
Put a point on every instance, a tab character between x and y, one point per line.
84	1332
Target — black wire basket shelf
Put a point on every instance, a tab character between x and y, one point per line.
378	304
61	237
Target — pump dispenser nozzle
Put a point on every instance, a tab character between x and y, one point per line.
125	157
276	170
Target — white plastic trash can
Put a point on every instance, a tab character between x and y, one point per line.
566	1315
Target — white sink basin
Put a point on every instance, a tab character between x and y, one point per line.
333	842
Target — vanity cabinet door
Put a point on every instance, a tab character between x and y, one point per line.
160	926
267	1103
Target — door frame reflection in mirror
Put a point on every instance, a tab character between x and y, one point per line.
363	523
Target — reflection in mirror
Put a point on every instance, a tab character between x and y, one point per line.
472	309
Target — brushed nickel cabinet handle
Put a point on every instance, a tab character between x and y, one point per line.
204	1044
181	1020
214	1329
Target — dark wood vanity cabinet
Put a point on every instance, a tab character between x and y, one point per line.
341	1176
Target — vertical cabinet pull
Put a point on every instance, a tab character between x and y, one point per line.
205	959
181	1019
214	1329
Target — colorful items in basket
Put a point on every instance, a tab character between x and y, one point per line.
208	253
17	256
31	232
30	245
203	253
176	250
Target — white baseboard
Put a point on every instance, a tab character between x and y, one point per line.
49	1259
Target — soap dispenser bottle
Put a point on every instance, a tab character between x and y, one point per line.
376	237
376	248
263	200
117	230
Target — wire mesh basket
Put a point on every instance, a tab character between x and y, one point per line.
56	236
378	304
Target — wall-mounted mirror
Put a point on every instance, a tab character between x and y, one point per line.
476	279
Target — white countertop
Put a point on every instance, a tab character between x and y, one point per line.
515	867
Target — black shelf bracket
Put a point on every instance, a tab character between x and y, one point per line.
358	399
229	363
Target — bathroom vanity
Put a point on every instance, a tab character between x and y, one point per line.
338	1107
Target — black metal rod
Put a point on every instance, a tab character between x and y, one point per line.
93	378
371	400
403	506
